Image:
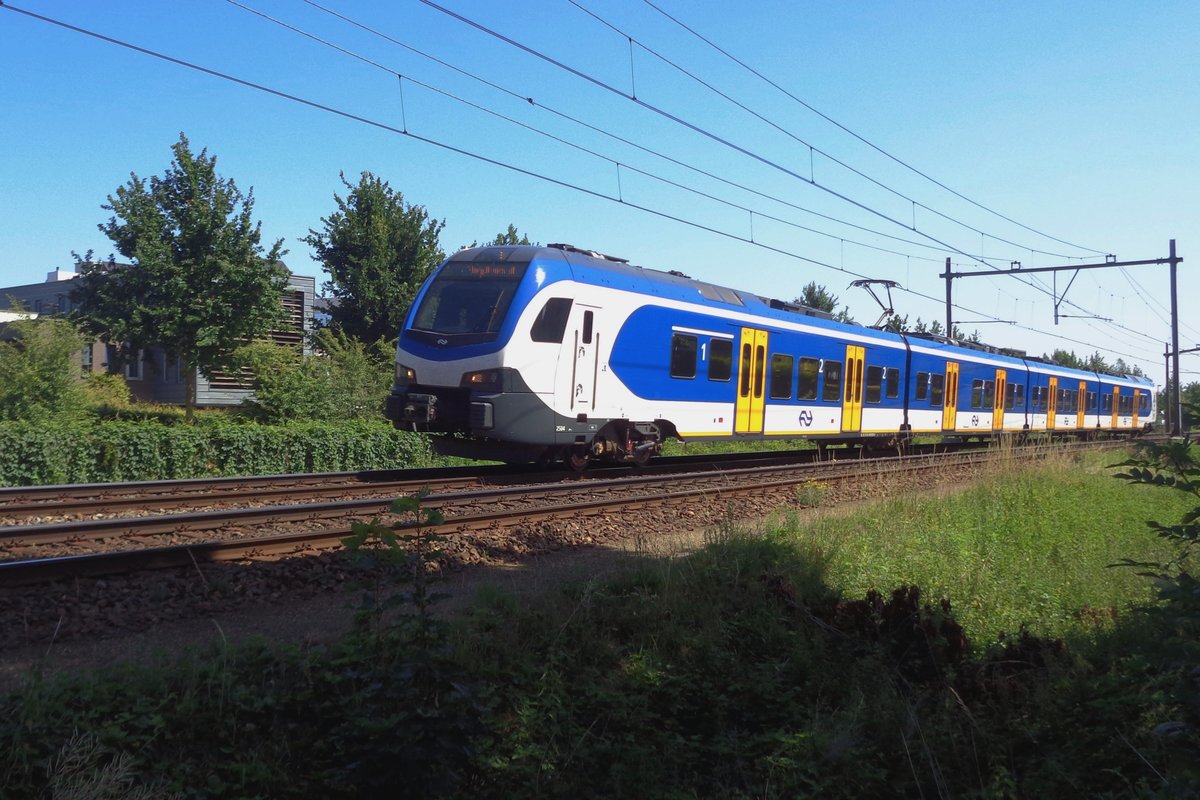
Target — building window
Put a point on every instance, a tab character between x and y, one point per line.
85	358
133	369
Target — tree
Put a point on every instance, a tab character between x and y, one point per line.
818	297
198	285
377	250
38	377
1066	358
508	237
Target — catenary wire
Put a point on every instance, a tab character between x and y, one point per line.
697	129
611	160
479	157
860	138
812	148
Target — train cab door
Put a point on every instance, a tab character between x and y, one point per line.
585	362
950	408
1081	405
853	399
998	400
1137	401
1052	404
1116	405
752	368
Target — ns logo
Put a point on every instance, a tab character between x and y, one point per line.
806	418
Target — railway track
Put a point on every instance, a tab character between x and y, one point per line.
42	553
61	503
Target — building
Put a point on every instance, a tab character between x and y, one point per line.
156	375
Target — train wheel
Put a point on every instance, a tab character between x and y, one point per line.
577	459
642	457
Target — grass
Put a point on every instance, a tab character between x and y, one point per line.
1030	547
752	668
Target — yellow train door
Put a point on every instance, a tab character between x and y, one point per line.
852	400
950	408
1116	405
1137	401
752	366
1081	404
1052	404
998	400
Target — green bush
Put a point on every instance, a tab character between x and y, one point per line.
95	452
343	379
38	378
107	394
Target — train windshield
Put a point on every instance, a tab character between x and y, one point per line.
469	300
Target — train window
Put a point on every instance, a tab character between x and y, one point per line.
1010	396
760	354
551	321
833	381
720	359
744	367
937	382
1018	395
683	356
587	327
891	377
989	394
781	377
874	385
1091	401
806	388
921	389
977	393
468	298
1126	404
1144	404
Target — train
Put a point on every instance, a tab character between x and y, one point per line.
555	353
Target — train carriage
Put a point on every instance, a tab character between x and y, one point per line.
524	352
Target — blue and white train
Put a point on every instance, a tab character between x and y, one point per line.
544	353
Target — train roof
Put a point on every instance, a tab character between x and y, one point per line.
666	283
592	266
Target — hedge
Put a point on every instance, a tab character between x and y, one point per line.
101	451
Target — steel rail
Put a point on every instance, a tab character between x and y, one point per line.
27	572
31	571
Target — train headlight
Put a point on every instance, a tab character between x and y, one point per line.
405	375
486	380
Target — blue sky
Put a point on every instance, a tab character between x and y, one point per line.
1077	120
